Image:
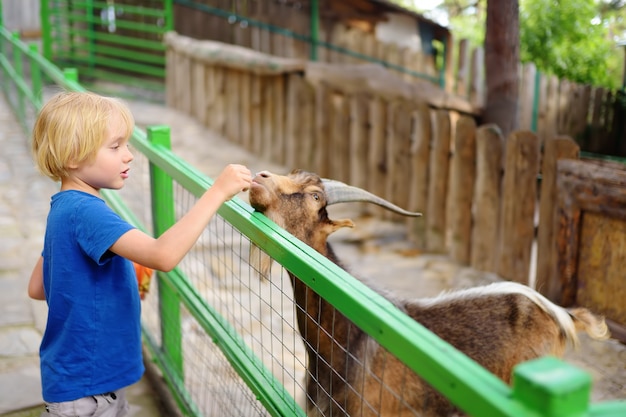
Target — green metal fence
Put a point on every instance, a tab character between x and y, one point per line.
186	326
118	41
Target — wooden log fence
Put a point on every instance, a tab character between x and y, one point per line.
479	192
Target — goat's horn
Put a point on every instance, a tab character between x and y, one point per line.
338	192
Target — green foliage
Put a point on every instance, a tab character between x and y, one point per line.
572	39
567	38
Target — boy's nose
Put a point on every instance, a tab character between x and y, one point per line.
129	155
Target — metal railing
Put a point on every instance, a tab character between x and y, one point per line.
120	42
545	387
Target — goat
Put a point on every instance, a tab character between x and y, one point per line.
348	373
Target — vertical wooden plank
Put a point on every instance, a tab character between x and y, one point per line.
199	91
171	68
305	158
359	106
462	189
278	115
477	84
487	192
449	76
215	93
269	123
519	199
599	98
245	109
292	115
340	138
462	74
564	110
418	192
547	279
438	184
241	31
182	85
527	95
582	118
398	156
322	130
377	157
256	121
552	108
233	100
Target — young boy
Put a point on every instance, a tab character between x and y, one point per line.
91	348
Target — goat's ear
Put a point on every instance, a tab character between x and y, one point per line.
338	224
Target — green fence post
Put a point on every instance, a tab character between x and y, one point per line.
548	387
536	98
169	15
35	76
18	64
70	74
164	216
91	35
46	40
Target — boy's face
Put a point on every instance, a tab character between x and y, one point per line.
111	166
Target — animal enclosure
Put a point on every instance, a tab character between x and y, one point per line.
222	337
412	144
489	202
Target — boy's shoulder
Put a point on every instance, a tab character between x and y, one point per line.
73	201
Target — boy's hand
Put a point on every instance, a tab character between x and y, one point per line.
232	180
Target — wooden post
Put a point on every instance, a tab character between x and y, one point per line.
376	159
527	95
487	201
519	199
216	110
292	120
398	155
438	184
358	140
462	189
278	119
477	84
322	130
463	68
418	192
547	279
256	121
339	141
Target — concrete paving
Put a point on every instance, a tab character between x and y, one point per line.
370	247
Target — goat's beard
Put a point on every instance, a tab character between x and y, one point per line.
261	262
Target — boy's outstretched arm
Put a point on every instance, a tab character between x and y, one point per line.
166	251
35	285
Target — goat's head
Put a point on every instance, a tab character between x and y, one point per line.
297	202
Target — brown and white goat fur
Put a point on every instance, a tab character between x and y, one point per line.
348	373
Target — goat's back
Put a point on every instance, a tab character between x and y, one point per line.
503	324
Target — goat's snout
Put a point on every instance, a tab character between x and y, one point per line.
263	174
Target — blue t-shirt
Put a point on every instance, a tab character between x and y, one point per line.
92	342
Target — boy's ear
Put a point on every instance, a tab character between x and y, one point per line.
72	164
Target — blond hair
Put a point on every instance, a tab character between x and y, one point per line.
71	128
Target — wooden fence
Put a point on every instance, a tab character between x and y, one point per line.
547	105
374	130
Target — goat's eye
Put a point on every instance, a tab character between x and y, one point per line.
315	196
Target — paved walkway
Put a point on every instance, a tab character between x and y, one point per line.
370	247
